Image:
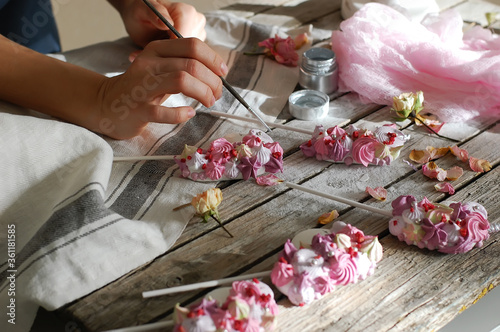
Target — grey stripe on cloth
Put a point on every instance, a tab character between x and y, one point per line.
143	184
84	210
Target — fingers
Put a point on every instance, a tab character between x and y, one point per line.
173	115
188	48
187	20
190	86
155	20
195	69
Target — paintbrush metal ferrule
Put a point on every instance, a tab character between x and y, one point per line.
224	82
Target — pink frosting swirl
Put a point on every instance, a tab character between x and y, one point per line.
322	147
252	140
343	269
324	245
282	273
354	233
221	149
474	231
324	285
363	150
336	132
338	151
245	289
275	148
214	170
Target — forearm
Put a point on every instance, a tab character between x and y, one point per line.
50	86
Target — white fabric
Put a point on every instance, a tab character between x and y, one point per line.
82	221
415	10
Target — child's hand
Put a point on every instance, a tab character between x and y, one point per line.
131	100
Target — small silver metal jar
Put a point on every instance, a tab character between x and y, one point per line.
318	70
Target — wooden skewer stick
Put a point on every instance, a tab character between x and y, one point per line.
270	124
340	199
138	158
205	284
145	327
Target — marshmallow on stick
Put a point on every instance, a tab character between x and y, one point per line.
312	264
355	145
452	229
229	158
247	304
352	145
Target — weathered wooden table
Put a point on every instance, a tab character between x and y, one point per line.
412	289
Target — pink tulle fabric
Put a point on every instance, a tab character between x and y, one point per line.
382	54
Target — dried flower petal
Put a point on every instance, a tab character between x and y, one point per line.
430	153
445	187
207	202
479	165
429	120
431	170
283	50
420	156
328	217
454	173
300	40
268	180
379	193
461	154
437	152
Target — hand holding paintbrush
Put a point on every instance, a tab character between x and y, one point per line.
226	84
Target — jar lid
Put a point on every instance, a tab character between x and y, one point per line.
319	58
308	104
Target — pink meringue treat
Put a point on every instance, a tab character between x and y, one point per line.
452	229
354	145
226	159
246	306
344	255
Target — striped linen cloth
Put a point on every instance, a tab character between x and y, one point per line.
82	221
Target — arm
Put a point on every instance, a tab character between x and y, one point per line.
39	82
119	107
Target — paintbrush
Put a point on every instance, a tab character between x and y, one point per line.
224	82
